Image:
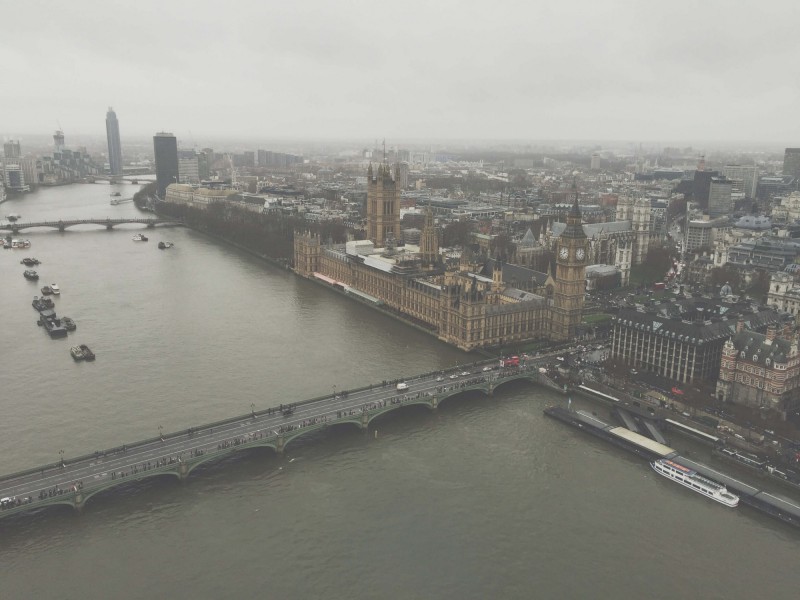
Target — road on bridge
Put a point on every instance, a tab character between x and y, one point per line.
57	482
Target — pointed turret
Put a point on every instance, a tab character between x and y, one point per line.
574	228
497	274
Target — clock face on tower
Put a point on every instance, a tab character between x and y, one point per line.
564	252
579	254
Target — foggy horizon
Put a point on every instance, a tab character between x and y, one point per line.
585	73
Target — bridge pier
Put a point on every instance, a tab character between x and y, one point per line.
79	502
183	471
434	402
279	444
109	226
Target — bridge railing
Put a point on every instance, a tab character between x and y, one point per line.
230	420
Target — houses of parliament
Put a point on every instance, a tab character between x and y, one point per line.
468	302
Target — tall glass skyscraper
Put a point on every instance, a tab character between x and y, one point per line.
114	146
165	146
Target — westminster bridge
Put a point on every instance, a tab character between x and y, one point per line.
72	481
62	225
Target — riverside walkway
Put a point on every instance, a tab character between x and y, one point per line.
72	481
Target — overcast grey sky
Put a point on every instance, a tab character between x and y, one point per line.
441	69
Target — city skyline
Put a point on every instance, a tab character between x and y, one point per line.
582	71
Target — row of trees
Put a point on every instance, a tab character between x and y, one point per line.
756	286
268	234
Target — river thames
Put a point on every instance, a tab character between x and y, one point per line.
483	498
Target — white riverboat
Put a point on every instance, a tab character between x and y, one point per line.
694	481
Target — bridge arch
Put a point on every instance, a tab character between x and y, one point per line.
426	402
452	394
521	377
86	494
290	436
220	454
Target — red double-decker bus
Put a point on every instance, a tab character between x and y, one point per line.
511	361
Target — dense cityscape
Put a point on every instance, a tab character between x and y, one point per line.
683	267
450	357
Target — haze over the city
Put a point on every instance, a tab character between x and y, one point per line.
413	70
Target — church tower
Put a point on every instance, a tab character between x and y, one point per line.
641	225
383	206
566	310
428	245
306	253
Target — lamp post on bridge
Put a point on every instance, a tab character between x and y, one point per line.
334	391
253	410
161	433
61	454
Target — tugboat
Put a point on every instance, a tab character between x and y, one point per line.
41	304
77	353
47	290
53	326
56	289
31	275
140	237
13	217
30	262
68	324
165	245
87	354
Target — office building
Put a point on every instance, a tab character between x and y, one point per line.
165	147
744	180
720	202
11	150
58	141
114	145
682	340
13	169
189	166
701	186
791	163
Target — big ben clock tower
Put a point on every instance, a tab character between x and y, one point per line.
566	311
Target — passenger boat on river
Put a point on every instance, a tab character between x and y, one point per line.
694	481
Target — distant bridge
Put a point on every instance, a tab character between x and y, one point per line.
131	177
61	225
